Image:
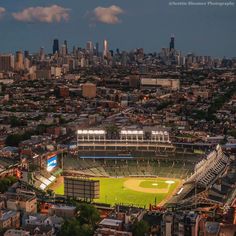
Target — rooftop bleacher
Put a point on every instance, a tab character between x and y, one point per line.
214	165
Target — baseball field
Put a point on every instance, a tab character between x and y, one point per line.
136	191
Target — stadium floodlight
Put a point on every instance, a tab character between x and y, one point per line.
91	131
155	132
131	132
100	131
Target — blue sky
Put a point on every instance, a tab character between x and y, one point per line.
131	24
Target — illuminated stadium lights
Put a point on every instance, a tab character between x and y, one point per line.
126	136
160	133
90	135
132	132
155	132
96	132
160	136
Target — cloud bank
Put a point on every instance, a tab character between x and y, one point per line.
2	11
107	15
48	14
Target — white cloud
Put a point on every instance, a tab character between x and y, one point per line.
2	11
48	14
107	15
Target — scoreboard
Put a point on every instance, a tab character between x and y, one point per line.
81	188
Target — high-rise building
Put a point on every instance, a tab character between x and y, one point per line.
6	62
26	63
65	43
89	47
41	54
74	51
63	50
19	62
105	49
172	43
26	54
97	49
55	47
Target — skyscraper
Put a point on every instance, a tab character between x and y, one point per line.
63	50
97	49
89	47
172	43
105	49
6	62
41	54
65	43
19	62
26	54
55	47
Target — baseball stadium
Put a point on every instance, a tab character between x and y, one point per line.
139	191
141	168
131	171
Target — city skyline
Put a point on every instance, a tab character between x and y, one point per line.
125	24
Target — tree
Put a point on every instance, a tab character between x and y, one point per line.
232	133
140	228
15	139
112	131
88	214
70	227
84	224
15	122
73	227
6	182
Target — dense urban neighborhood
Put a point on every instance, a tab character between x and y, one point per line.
110	142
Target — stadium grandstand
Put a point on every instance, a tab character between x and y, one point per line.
145	142
213	182
131	152
126	166
146	138
43	179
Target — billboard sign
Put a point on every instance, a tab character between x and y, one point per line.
51	162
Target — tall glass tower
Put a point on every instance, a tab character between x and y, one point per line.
55	47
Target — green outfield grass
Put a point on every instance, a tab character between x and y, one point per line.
112	190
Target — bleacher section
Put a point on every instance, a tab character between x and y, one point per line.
210	168
128	167
43	179
212	182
